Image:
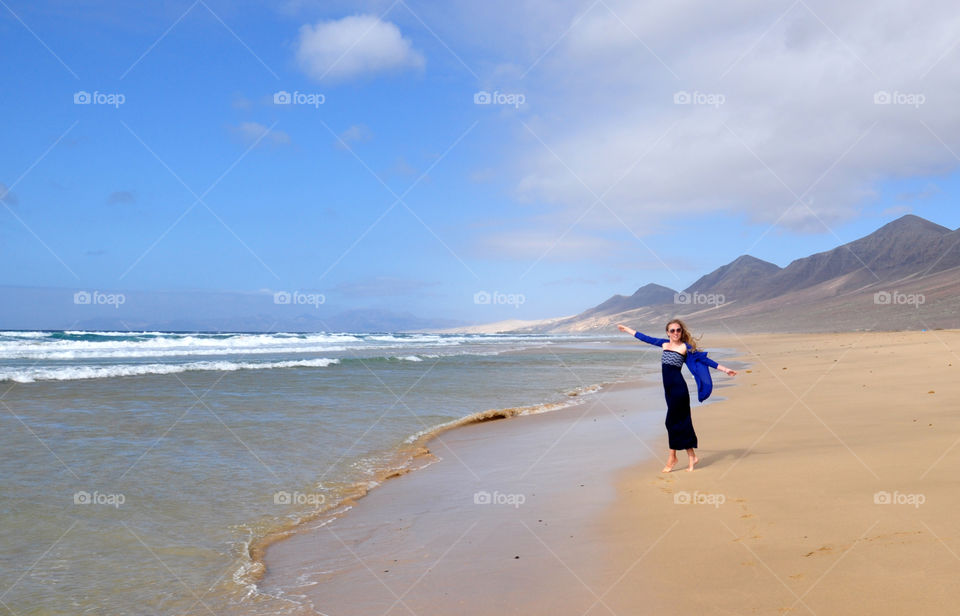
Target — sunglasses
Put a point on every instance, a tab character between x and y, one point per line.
674	330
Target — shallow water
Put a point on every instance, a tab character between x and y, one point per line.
139	468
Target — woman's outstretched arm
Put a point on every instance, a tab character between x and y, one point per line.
640	336
717	366
726	370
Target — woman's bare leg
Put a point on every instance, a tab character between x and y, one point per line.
692	459
671	461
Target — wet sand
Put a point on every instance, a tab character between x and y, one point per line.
826	485
491	527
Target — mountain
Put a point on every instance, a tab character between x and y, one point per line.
904	275
905	246
57	308
742	277
647	295
348	321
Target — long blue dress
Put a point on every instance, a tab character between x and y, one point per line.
679	423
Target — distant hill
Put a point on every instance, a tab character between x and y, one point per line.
647	295
743	277
56	308
904	275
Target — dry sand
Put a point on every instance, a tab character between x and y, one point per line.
785	513
827	485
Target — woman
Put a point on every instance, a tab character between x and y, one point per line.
679	349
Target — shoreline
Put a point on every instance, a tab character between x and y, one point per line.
414	454
784	514
532	475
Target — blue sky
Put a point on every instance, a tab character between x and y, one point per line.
630	143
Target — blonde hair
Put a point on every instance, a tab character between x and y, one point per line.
685	335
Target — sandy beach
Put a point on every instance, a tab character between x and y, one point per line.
824	487
827	485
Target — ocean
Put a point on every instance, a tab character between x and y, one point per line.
143	472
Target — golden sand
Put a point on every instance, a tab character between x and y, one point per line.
827	484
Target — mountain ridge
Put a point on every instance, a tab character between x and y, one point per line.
911	263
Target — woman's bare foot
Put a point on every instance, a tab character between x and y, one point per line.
692	461
671	462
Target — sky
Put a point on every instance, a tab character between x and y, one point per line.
457	160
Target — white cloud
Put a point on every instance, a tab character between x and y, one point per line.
534	246
400	166
354	46
358	133
254	132
782	107
241	102
928	191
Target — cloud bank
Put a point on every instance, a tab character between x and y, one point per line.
786	113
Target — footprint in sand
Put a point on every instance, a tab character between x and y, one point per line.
893	537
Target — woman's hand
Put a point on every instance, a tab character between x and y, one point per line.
729	372
626	329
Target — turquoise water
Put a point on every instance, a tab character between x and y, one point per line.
138	469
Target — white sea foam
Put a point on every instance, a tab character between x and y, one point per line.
28	356
80	345
23	334
135	353
111	344
74	373
408	338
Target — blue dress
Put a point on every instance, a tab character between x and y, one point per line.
697	362
679	423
